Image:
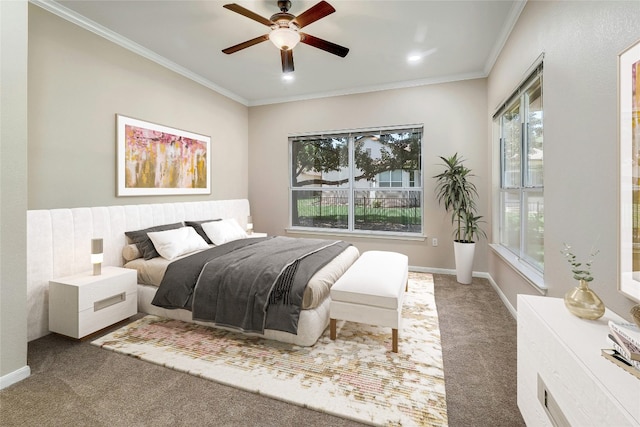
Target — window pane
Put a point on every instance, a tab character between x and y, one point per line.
534	234
510	221
321	209
396	211
534	168
386	159
511	147
321	162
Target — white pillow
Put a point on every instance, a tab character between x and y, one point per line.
170	244
224	231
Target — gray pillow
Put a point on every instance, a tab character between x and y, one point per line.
197	225
144	243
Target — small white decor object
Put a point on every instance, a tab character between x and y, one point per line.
97	256
249	224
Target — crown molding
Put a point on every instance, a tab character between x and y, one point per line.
373	88
514	14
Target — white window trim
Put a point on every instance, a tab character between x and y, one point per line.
357	233
532	276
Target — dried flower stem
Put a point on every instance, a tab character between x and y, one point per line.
579	272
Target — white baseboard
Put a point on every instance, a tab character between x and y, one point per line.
484	275
14	377
502	296
431	270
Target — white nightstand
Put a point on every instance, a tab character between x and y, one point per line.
255	235
82	304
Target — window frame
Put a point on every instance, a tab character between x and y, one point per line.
519	100
352	136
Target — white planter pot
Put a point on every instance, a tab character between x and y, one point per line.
464	253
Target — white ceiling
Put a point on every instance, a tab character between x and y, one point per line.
456	39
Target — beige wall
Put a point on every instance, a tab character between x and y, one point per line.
454	118
581	41
78	82
13	191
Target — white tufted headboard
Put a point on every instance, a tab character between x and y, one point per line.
59	241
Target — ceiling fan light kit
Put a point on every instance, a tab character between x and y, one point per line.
284	38
285	34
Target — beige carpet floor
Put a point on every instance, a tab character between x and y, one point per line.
77	384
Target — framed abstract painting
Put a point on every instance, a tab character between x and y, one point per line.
158	160
629	155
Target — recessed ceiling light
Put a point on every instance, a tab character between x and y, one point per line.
417	57
287	77
414	58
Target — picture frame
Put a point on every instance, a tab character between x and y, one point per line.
629	171
157	160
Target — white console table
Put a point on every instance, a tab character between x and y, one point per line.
562	377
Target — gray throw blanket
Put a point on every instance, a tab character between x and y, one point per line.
251	286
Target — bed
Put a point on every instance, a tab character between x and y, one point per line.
274	287
59	244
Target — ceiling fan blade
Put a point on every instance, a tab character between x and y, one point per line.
287	60
324	45
249	14
246	44
314	13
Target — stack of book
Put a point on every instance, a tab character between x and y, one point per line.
624	339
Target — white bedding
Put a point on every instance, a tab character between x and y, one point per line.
314	316
311	324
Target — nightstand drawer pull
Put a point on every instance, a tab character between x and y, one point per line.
108	302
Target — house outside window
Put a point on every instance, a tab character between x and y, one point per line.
521	201
367	182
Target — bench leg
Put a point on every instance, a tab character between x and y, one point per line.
406	287
332	326
394	343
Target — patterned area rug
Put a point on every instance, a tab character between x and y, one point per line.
356	377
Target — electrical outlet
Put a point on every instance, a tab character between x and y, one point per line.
434	241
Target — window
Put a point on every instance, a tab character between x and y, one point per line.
390	178
364	181
521	201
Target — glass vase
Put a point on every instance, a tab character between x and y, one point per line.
583	302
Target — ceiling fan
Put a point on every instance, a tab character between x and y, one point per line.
285	31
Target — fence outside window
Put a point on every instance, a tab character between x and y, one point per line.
398	214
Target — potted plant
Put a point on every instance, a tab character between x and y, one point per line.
458	195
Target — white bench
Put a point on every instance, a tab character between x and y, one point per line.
372	291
